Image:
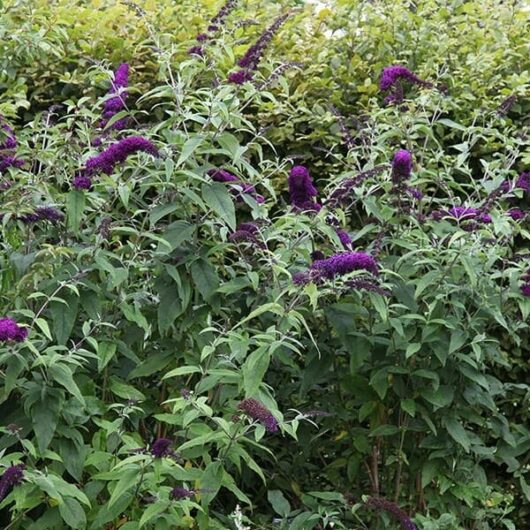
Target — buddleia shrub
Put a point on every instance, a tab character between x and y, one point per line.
200	331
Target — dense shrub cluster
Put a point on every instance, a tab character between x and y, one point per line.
267	271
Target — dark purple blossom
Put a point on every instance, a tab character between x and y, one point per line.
219	18
382	505
391	79
82	182
401	165
344	192
345	239
250	61
238	187
516	214
463	213
257	411
317	254
523	182
301	189
344	263
506	105
116	103
196	50
248	233
202	37
525	289
415	193
162	447
179	493
5	185
10	140
10	161
12	476
118	153
11	331
43	213
239	77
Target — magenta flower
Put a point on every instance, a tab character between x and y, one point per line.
401	165
523	182
301	189
11	331
516	214
162	447
344	263
82	182
118	153
258	412
379	504
116	103
345	239
12	477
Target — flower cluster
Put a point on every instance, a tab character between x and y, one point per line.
162	447
214	26
179	493
247	232
237	187
115	154
12	476
257	411
11	331
401	166
516	214
523	182
343	193
383	505
250	61
43	213
391	80
365	284
116	103
462	213
345	239
7	149
301	189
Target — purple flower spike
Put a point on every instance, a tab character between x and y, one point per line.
401	165
240	77
379	504
257	411
516	214
11	331
392	74
179	493
12	477
118	153
345	239
344	263
162	447
301	189
525	289
523	182
238	188
196	50
82	182
116	103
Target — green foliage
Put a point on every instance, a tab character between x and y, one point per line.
149	320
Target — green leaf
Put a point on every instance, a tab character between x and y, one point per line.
217	197
279	503
205	278
182	370
72	513
211	482
153	510
75	205
458	433
62	374
254	370
175	234
188	148
125	391
127	481
441	397
64	317
106	352
45	416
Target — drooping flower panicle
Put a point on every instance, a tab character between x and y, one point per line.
250	61
117	153
116	103
401	166
383	505
162	447
237	187
179	493
7	149
10	331
344	192
302	190
344	263
257	411
12	476
391	79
